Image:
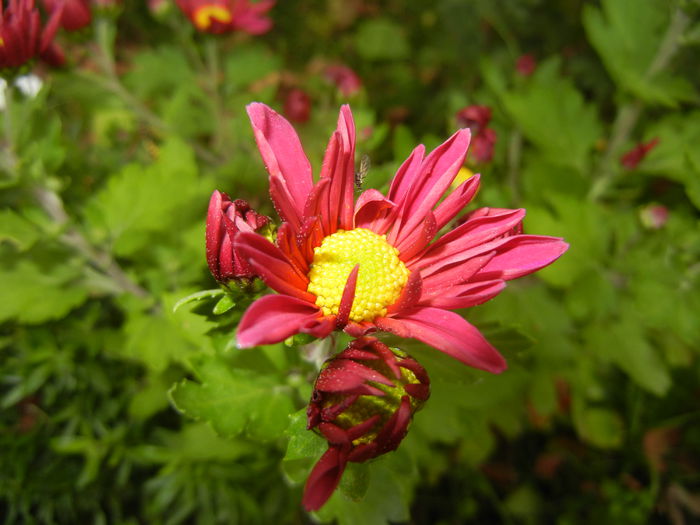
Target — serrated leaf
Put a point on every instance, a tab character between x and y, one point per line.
234	401
564	127
139	201
599	426
625	345
627	35
34	295
17	230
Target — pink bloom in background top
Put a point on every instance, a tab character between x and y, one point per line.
21	35
526	65
376	264
76	13
344	78
224	16
477	119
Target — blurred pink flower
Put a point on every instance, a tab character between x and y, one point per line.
362	403
76	13
526	65
22	37
297	105
477	119
224	219
372	264
633	157
344	78
224	16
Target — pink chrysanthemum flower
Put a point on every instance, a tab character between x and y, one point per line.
374	264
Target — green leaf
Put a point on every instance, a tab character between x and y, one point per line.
249	64
627	35
224	305
140	201
33	295
200	296
17	230
381	39
563	127
623	343
599	426
234	401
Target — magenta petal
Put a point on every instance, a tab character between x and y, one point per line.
347	298
284	159
324	477
272	319
466	295
405	175
522	255
272	265
409	295
449	333
373	211
456	201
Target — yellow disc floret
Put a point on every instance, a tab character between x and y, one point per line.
380	280
205	15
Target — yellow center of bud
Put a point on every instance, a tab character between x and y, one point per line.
205	15
380	281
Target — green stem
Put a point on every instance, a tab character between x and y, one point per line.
515	148
218	138
52	204
10	160
110	81
629	114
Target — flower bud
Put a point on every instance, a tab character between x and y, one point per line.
633	157
483	140
526	65
363	402
344	78
297	105
225	218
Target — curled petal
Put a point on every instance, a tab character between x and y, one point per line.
449	333
347	298
284	160
373	211
465	295
324	477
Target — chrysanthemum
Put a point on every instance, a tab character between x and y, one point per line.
374	264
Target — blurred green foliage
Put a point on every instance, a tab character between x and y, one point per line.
104	186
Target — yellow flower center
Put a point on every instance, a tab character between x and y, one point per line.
205	15
380	280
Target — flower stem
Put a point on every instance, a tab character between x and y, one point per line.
211	50
52	204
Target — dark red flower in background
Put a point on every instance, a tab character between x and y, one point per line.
224	16
633	157
22	37
297	105
225	218
526	65
363	402
344	78
76	13
477	119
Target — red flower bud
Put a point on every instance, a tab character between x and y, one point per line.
362	403
297	105
224	16
21	35
225	218
76	13
526	65
654	216
477	118
344	78
632	158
